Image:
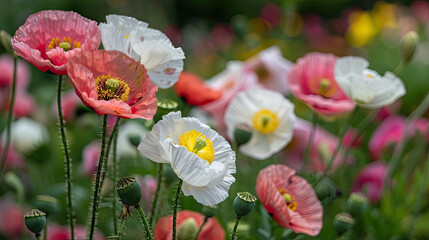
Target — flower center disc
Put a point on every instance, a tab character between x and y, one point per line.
66	44
265	121
109	87
324	87
291	203
197	143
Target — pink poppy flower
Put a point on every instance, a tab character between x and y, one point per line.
352	139
23	106
6	70
48	39
91	153
212	230
110	82
290	199
148	185
11	220
57	232
312	81
272	13
420	10
370	180
13	158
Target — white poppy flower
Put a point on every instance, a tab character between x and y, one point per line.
151	47
269	116
366	87
198	155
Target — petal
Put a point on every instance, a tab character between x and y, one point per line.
167	74
125	24
350	65
112	39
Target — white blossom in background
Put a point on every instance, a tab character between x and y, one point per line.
365	86
129	129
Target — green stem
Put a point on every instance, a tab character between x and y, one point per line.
45	232
97	188
234	231
157	193
9	116
398	70
67	163
115	196
201	227
314	120
179	187
121	231
146	225
38	236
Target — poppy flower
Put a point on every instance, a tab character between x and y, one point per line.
110	82
312	81
370	180
290	199
48	39
6	69
192	88
212	230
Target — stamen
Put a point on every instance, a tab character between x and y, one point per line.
109	87
67	44
198	144
265	121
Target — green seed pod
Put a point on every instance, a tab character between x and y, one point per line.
187	229
408	46
47	204
209	211
326	189
243	203
357	204
343	222
5	40
35	220
165	106
129	191
242	134
134	139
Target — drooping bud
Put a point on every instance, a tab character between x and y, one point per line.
35	220
129	191
342	223
357	204
47	204
209	211
134	139
242	134
5	40
243	204
408	46
187	229
165	106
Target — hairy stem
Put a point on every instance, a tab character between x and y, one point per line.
234	231
179	187
121	231
146	225
155	199
314	120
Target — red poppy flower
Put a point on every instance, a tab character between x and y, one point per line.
290	199
110	82
211	230
192	88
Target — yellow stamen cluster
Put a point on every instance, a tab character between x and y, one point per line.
265	121
291	203
109	87
66	44
197	143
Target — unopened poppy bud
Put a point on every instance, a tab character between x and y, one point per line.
242	134
209	211
5	40
187	229
165	106
408	46
47	204
326	189
343	222
129	191
357	204
243	203
35	220
134	139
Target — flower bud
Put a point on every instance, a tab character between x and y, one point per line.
242	134
129	191
165	106
35	220
357	204
134	139
408	46
209	211
243	203
5	40
343	222
326	189
47	204
187	229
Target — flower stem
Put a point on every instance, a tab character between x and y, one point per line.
114	201
67	163
9	116
155	199
315	119
234	231
45	232
97	188
109	143
146	225
179	187
121	231
201	227
38	236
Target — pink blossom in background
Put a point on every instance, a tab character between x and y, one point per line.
6	69
91	154
11	219
175	34
221	36
57	232
272	13
312	81
421	10
38	40
24	104
69	103
352	139
370	180
13	158
148	185
388	111
290	199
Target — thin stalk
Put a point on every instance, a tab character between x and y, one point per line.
45	232
179	187
121	231
234	231
97	188
146	225
67	163
155	199
9	116
38	236
201	227
314	120
398	70
113	136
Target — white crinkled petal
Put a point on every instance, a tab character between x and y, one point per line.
235	115
154	53
167	74
149	34
209	196
350	64
125	24
112	39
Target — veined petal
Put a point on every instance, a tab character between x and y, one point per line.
154	54
124	24
210	196
167	74
112	39
350	65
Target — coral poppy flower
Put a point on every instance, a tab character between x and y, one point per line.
110	82
370	180
212	230
192	88
290	199
48	39
312	81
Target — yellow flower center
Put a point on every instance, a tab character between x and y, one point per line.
369	75
291	203
197	143
66	44
324	87
265	121
127	36
109	87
